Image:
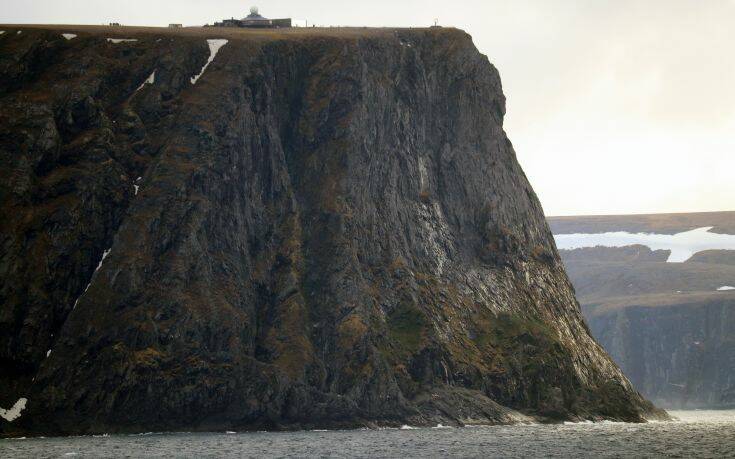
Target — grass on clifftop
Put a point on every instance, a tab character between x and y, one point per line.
231	33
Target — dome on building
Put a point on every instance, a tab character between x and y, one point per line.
254	15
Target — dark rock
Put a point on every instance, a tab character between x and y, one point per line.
681	355
332	229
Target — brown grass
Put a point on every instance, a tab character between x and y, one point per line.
231	33
723	222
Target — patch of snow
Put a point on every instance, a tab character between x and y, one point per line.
121	40
2	32
138	179
441	426
48	352
407	427
19	32
69	36
725	288
230	432
682	245
104	255
13	413
136	189
214	47
150	80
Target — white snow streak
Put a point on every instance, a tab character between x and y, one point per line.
121	40
725	288
13	413
69	36
150	80
214	46
104	255
48	352
136	189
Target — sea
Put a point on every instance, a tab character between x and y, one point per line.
707	434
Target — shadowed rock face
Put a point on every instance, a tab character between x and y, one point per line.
680	354
330	230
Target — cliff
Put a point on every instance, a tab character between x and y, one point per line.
328	228
681	354
670	326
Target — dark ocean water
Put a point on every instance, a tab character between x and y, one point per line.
696	434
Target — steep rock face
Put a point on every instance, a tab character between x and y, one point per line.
330	229
679	355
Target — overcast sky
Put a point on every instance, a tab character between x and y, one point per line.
618	106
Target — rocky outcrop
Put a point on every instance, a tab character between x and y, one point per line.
330	228
679	355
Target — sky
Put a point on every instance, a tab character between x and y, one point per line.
613	107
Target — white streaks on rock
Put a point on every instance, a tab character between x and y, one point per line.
13	413
214	47
69	36
104	255
150	80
